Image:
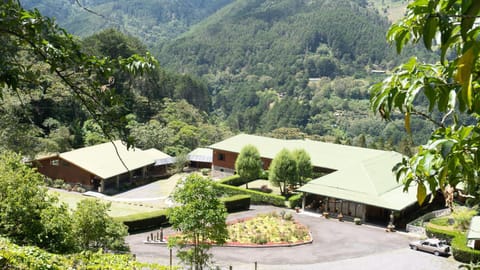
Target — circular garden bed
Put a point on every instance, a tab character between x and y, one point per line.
267	230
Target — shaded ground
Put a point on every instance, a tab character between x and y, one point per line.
336	245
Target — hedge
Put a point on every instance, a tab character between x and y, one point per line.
237	203
234	180
295	200
461	252
432	231
155	219
144	221
257	197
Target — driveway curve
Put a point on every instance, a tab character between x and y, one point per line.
333	242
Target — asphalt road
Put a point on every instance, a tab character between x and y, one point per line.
336	245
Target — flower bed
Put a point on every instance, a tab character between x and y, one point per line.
268	230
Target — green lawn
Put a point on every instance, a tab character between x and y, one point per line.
144	199
117	209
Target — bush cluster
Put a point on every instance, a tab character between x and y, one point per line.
234	180
28	257
144	221
295	200
237	203
256	196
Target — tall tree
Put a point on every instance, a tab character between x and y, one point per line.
283	170
94	229
304	165
90	79
201	219
450	86
249	164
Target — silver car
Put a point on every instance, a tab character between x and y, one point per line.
435	246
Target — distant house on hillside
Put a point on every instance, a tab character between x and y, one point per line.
105	166
358	182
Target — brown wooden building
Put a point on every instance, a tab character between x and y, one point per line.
99	167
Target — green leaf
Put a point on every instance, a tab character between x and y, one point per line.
421	193
464	75
429	31
468	17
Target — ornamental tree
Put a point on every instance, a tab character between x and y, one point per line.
200	218
304	165
450	87
283	170
249	163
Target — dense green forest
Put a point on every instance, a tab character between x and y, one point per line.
284	68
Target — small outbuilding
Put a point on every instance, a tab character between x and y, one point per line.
106	166
201	158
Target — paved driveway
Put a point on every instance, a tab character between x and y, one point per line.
336	245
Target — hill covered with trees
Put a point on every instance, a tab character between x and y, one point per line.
285	68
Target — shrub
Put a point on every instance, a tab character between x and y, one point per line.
462	217
441	221
357	221
48	182
264	175
58	183
256	196
461	252
236	203
205	171
67	186
295	200
144	221
234	180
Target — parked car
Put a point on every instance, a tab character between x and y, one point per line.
435	246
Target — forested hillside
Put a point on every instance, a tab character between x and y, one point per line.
293	64
287	68
150	20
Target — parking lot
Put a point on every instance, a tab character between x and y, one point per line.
336	245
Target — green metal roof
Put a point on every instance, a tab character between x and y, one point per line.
362	175
474	231
103	161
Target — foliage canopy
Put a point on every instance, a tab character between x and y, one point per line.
201	219
450	86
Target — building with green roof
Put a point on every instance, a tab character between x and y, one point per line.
358	182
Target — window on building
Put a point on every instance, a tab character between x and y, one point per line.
54	162
221	156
